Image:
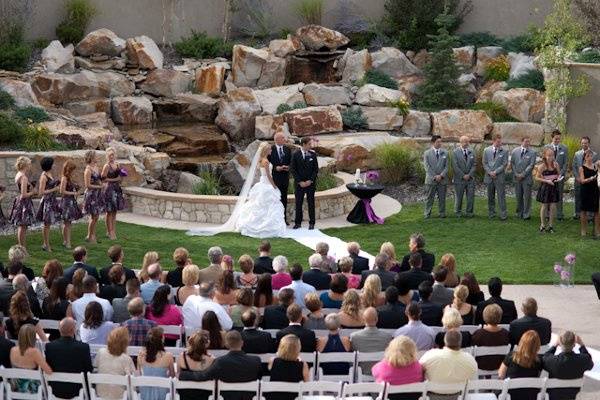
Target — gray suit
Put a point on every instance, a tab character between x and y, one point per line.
369	340
436	165
462	166
562	156
495	163
441	294
578	162
522	165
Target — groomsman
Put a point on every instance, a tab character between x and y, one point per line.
578	162
561	155
281	158
495	160
436	176
522	161
463	164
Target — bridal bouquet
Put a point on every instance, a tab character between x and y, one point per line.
123	172
565	272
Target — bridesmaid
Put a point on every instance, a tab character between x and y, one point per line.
113	194
93	201
70	210
22	214
49	210
588	176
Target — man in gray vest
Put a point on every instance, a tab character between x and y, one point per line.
561	155
436	175
463	164
522	161
578	162
495	160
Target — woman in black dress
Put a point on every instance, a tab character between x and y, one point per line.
547	173
588	176
287	366
113	194
524	362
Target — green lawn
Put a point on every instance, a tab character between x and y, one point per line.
513	250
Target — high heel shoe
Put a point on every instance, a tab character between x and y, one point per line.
550	229
46	249
542	229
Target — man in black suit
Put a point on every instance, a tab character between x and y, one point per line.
79	257
315	276
68	355
255	341
264	262
281	158
380	269
275	316
5	346
416	244
308	340
530	321
391	315
596	282
234	367
305	168
359	264
415	275
431	313
116	255
509	311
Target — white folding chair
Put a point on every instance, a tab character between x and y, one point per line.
95	348
8	374
209	386
482	351
267	387
137	383
134	351
469	328
217	353
175	351
173	330
321	390
107	379
447	388
363	375
363	391
420	387
484	389
65	377
324	358
273	332
248	387
553	383
525	383
311	360
48	324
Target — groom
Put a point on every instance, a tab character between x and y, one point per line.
280	158
305	169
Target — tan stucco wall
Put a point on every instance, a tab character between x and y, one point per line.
583	113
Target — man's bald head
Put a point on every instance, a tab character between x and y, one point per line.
279	138
154	271
67	327
464	140
20	283
370	317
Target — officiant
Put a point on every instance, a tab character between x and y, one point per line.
280	158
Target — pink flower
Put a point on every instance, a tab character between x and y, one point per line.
373	175
570	258
564	275
557	268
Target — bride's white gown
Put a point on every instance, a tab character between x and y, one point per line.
262	215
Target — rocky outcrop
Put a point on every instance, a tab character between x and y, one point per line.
81	138
421	59
267	125
210	78
524	104
131	110
84	107
354	64
382	118
316	37
236	170
144	52
417	124
101	42
377	96
514	132
237	111
314	120
452	124
117	63
56	58
465	57
20	91
256	68
485	54
187	107
393	62
270	99
316	94
285	47
166	83
187	182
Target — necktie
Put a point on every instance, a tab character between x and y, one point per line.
555	151
466	156
523	152
437	155
280	152
304	155
495	151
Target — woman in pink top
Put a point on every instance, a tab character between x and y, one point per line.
345	265
281	278
163	313
399	365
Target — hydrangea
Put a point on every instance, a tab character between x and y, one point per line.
557	268
570	258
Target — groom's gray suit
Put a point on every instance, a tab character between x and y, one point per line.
522	162
436	163
495	160
463	164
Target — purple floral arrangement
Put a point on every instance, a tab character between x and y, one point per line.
565	272
123	172
372	176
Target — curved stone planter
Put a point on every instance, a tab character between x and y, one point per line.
217	209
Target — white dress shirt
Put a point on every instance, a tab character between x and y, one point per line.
194	308
300	290
448	366
79	305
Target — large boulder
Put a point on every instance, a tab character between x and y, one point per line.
377	96
452	124
285	47
83	107
156	163
465	57
314	120
316	94
187	107
237	111
410	84
236	170
417	124
78	137
271	98
56	58
63	88
393	62
421	59
484	55
266	126
514	132
354	64
131	110
486	93
187	182
524	104
210	78
117	63
382	118
520	64
102	41
166	83
316	37
256	68
20	91
144	52
273	73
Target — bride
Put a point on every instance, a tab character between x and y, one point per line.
258	212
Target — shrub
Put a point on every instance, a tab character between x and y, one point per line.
79	15
590	57
284	107
402	105
495	111
533	79
588	12
210	185
37	138
479	39
14	56
397	162
10	130
310	11
378	78
325	181
573	144
40	43
497	69
259	19
284	32
6	100
354	119
200	45
525	43
32	114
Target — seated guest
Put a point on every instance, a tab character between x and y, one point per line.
227	263
255	340
6	286
315	319
509	311
391	315
95	329
153	360
416	244
371	295
195	358
210	274
369	339
247	278
306	336
163	313
75	289
151	257
345	266
20	315
281	277
113	359
448	365
5	346
22	284
523	362
475	293
216	334
459	303
80	257
333	298
596	282
399	365
351	311
181	258
287	366
79	359
116	255
359	264
189	278
120	313
137	326
25	355
90	288
56	305
415	275
421	334
490	335
567	364
448	261
380	269
389	250
315	276
334	343
328	264
18	254
225	289
275	316
263	294
116	289
147	289
431	313
530	320
300	286
405	294
441	294
52	270
196	305
245	301
451	321
264	263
